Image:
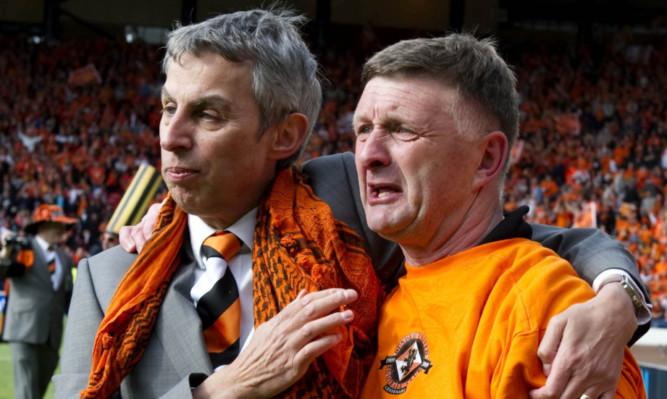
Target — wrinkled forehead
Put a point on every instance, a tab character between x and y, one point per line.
407	96
206	73
183	59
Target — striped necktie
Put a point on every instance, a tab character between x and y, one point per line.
51	264
217	299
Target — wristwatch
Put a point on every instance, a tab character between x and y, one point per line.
630	287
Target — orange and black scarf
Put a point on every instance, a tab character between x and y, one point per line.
297	245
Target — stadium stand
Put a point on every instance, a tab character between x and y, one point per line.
78	118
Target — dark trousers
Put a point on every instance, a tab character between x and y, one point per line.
33	367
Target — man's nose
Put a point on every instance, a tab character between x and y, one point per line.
372	151
176	132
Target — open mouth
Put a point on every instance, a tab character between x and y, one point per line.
383	191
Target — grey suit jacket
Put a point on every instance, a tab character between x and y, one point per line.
176	350
35	310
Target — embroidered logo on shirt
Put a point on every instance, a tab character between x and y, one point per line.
409	358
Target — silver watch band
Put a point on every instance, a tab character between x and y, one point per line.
630	288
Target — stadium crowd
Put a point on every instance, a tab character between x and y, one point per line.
78	118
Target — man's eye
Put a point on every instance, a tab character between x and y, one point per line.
363	130
168	109
208	116
403	133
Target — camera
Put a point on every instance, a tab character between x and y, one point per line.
16	241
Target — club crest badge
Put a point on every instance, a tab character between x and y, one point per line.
409	358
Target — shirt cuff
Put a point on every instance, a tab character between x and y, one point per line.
644	313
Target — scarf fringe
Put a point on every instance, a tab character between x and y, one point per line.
126	328
299	245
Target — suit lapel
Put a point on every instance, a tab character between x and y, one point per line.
64	264
178	326
39	264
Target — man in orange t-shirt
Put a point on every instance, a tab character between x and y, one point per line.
434	126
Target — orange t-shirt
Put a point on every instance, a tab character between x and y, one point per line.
469	325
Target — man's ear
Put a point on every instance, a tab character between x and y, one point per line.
289	136
494	154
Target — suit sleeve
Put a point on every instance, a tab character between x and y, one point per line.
85	315
591	251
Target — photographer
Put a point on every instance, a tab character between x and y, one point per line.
40	282
15	255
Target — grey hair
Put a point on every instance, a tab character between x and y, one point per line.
284	71
469	65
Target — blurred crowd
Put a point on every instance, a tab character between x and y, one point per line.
76	121
78	118
593	147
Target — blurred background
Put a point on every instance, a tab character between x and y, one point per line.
79	111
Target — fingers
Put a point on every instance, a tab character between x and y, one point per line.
580	354
153	211
139	237
540	393
310	315
577	386
125	239
550	342
606	395
556	384
317	304
593	392
316	348
145	228
283	348
547	352
148	221
329	299
310	331
310	318
133	238
316	337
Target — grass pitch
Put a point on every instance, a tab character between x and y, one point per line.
7	375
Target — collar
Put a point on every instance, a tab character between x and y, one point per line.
512	226
42	244
244	229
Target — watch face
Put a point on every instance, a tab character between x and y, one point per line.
632	292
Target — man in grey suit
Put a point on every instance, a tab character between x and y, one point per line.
40	283
240	96
174	360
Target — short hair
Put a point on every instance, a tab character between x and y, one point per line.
469	65
284	71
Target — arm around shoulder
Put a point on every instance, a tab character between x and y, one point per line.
590	251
